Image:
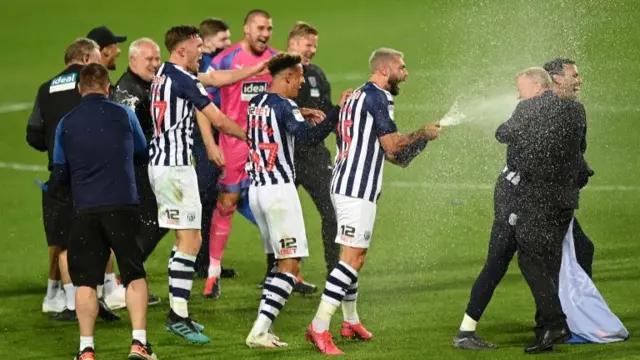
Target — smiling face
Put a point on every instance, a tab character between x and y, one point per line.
257	33
568	83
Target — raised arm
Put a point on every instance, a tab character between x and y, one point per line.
219	78
196	93
509	130
303	131
399	149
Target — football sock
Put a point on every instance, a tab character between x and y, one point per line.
468	324
70	295
52	288
277	294
140	335
335	289
86	342
181	273
349	312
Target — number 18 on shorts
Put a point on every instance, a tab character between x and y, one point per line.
279	216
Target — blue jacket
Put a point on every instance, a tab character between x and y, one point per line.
93	153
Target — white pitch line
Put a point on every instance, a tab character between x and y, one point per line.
454	186
22	167
396	184
8	108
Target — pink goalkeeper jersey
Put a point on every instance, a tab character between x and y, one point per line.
234	99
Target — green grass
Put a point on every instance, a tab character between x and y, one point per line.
429	242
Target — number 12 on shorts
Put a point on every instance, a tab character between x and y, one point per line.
288	246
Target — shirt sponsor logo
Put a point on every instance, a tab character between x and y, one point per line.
314	93
251	89
259	110
63	83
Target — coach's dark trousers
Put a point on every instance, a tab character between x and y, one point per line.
503	246
150	233
313	173
208	174
540	232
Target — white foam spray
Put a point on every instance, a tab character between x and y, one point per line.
482	109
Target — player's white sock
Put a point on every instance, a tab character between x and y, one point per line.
278	292
70	295
86	342
181	273
52	288
349	312
214	268
468	324
110	284
140	335
335	289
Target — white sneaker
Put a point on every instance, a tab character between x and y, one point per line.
116	300
100	291
266	340
55	305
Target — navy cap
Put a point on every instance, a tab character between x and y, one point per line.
105	37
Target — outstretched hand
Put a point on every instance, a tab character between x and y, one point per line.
344	96
314	115
261	68
431	131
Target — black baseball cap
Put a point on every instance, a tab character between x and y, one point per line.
105	37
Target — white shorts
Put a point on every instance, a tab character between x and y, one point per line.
278	213
355	220
177	195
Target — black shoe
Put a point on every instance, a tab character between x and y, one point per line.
140	351
87	353
304	288
153	300
105	313
470	341
202	272
65	315
547	339
227	273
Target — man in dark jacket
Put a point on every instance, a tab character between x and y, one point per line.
313	162
546	132
132	90
55	98
566	84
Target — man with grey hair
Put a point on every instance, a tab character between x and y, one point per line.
367	135
132	90
535	197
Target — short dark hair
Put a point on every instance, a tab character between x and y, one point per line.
302	28
283	61
94	76
178	34
79	49
255	12
556	66
212	26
